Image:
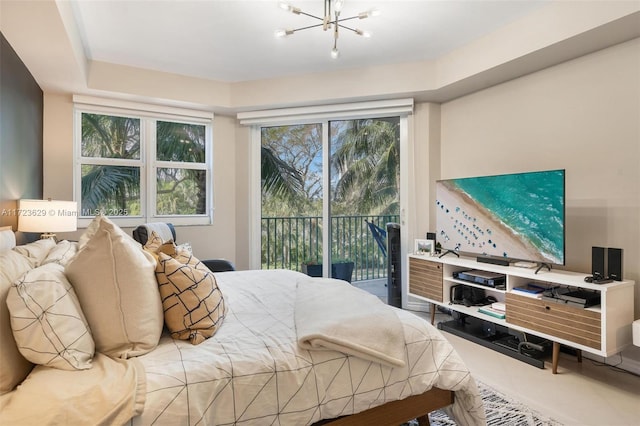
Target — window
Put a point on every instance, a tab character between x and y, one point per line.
323	130
137	166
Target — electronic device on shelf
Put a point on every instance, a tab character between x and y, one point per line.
580	298
491	216
486	278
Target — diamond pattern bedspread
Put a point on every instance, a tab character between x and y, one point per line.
252	372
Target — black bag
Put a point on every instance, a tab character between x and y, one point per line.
466	295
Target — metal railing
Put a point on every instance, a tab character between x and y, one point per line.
288	242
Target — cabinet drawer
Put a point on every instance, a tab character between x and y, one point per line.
566	322
425	279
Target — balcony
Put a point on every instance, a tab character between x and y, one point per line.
287	242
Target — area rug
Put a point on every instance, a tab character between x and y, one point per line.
501	410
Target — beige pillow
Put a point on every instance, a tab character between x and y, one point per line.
90	231
13	366
194	307
47	321
115	283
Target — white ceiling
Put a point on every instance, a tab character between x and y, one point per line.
234	41
222	55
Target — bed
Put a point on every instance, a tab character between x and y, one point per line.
266	364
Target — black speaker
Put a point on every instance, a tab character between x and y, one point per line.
598	267
431	236
614	263
394	266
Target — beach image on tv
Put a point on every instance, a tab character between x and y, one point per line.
516	216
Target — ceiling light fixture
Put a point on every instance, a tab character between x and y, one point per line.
330	20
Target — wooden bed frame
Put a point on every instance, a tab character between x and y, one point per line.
397	412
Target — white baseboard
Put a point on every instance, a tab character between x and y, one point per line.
630	364
628	360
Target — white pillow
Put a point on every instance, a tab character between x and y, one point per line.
7	238
115	281
36	250
47	321
61	253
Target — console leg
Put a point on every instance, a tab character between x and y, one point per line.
432	310
423	420
579	354
554	357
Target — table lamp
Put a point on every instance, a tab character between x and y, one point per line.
47	216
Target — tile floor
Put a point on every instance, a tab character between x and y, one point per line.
580	394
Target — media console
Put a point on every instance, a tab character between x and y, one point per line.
604	329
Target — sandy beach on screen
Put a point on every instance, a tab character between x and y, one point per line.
476	230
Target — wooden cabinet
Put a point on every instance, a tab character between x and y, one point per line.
603	330
576	325
425	279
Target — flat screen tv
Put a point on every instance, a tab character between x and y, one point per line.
518	216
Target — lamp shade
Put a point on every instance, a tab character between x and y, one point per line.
47	216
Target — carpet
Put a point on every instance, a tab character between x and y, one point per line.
501	410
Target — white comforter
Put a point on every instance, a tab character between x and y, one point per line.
252	371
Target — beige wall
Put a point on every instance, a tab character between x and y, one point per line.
217	241
583	116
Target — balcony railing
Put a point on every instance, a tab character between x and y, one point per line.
287	242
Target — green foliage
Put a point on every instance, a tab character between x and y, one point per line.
110	188
180	190
365	173
107	136
367	165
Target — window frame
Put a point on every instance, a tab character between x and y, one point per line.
255	120
148	115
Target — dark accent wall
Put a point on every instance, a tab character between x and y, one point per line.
21	112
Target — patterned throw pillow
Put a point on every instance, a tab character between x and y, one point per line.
47	321
155	244
193	305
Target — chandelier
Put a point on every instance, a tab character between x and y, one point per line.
330	21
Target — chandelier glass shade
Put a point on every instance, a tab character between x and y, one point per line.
331	20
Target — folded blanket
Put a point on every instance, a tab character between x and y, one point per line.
333	315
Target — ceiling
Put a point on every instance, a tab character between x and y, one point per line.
223	56
234	41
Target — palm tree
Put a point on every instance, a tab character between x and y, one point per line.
181	190
366	165
105	186
279	179
289	185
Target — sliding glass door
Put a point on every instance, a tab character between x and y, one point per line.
327	191
292	193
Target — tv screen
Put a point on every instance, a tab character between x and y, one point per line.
514	216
